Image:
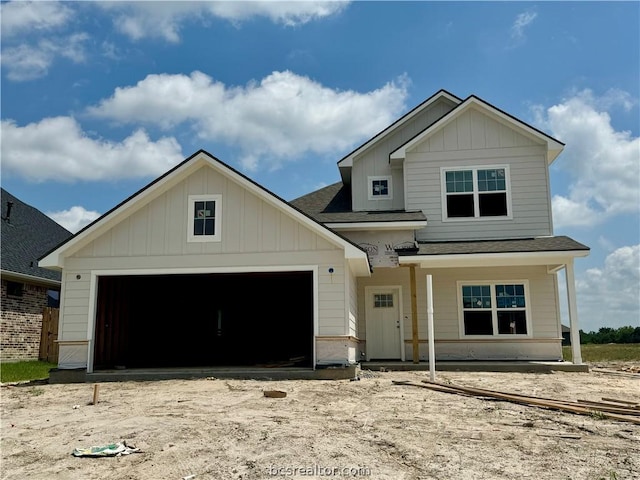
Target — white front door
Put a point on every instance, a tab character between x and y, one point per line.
384	324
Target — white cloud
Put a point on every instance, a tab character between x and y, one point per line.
610	296
29	17
74	219
28	62
57	149
139	20
272	121
603	163
521	22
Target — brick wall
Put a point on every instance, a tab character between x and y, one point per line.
21	322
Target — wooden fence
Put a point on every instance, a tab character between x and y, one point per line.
48	344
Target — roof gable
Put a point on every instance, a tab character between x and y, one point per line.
554	147
55	258
347	161
27	233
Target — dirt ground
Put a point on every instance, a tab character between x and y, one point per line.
227	429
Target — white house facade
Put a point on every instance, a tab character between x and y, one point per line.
204	267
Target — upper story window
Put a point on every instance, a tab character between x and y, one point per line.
476	192
204	218
380	188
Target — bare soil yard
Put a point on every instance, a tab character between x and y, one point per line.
227	429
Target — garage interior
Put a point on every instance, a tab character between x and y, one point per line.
204	320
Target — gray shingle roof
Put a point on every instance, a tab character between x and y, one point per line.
26	236
540	244
332	204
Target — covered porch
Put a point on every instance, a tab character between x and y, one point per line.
528	332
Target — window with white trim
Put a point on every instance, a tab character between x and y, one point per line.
204	218
380	188
475	192
494	308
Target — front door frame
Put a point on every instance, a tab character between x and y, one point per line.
368	292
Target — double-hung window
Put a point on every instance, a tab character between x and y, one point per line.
493	308
475	192
204	218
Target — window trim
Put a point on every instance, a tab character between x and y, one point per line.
494	308
216	237
476	194
370	180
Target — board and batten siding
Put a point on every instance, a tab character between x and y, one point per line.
249	224
476	139
254	233
375	160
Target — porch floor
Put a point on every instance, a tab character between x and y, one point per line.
477	366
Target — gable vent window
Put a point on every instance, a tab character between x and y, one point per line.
380	188
476	193
204	218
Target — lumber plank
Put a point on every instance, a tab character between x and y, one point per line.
521	399
625	402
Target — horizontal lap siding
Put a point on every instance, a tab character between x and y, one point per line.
353	304
475	139
331	296
542	297
75	305
375	161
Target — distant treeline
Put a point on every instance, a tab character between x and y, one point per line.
612	335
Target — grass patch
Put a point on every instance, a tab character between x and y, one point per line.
610	352
25	371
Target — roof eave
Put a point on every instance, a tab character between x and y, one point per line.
377	226
29	278
503	259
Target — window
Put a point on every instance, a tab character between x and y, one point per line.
204	218
475	192
15	289
380	188
383	300
494	308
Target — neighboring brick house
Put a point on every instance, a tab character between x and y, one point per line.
27	289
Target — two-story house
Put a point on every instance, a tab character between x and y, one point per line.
205	267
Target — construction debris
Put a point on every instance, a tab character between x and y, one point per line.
274	394
110	450
621	413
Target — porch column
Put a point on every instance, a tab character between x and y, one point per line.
573	313
414	315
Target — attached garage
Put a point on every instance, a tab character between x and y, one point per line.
229	319
205	268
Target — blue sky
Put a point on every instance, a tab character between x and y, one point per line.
100	98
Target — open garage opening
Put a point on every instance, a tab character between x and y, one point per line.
230	319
